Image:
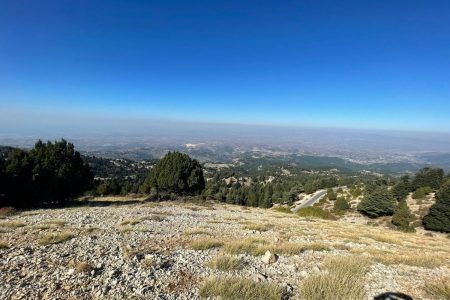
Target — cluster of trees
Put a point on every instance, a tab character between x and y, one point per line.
53	172
258	191
49	173
380	201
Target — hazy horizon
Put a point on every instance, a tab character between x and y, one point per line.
349	64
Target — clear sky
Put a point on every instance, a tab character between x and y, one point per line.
358	64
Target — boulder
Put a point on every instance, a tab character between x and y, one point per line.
269	257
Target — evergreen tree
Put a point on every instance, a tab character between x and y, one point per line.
177	173
432	177
379	202
438	218
401	190
402	217
48	173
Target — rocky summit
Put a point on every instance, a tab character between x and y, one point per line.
182	250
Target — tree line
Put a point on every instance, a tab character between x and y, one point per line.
53	173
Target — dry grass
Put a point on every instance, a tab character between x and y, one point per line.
438	288
417	259
57	222
4	245
182	281
147	263
55	238
196	231
249	246
43	226
258	227
12	224
384	238
344	279
259	247
130	222
82	267
225	263
205	244
239	288
409	258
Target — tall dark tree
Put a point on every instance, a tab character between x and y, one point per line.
18	184
438	218
59	172
176	172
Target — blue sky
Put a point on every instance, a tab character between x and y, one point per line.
357	64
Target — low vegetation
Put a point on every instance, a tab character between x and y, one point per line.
258	227
225	263
205	244
4	245
239	288
343	279
315	212
12	224
55	238
438	288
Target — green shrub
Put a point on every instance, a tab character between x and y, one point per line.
283	209
402	217
331	195
379	202
422	192
341	204
315	212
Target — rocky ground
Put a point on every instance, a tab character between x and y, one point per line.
163	251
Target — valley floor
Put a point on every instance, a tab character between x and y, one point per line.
173	250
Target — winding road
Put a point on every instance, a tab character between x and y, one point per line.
314	198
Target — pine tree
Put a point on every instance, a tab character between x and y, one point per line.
438	218
402	188
379	202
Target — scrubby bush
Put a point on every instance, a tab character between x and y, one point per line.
341	204
438	218
176	172
315	212
402	217
379	202
331	195
422	192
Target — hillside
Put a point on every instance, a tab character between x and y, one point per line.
179	250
